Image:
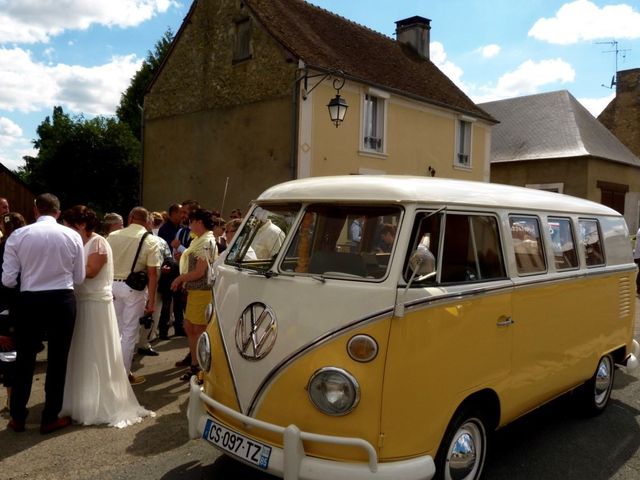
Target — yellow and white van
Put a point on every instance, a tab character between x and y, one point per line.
382	326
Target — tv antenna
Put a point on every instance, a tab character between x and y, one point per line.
617	51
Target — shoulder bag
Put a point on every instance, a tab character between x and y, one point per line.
138	280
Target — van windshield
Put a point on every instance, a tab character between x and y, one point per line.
343	241
262	237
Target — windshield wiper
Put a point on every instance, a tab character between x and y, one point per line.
319	277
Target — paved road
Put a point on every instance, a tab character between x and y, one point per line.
552	443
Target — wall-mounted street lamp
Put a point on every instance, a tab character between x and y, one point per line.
337	105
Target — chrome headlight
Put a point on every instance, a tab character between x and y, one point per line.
333	391
204	352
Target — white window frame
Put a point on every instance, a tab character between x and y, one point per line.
380	127
462	152
547	187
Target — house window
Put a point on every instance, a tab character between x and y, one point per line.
374	111
242	46
463	144
612	195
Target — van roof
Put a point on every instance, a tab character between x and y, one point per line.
438	191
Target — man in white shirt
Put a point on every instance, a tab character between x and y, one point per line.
46	259
131	305
268	240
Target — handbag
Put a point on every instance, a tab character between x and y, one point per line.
206	281
138	280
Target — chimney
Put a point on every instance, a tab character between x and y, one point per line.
414	31
628	81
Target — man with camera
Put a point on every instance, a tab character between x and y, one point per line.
136	260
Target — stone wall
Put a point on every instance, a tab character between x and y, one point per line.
622	115
208	117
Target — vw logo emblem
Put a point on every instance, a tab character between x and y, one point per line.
256	331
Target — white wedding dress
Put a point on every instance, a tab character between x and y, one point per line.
97	388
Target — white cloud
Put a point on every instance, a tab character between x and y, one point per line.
34	21
27	86
582	20
489	51
439	57
527	79
596	105
13	145
9	132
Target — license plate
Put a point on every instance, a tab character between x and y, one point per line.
232	442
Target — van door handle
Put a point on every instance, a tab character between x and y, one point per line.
505	321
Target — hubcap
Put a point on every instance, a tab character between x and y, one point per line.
603	381
465	453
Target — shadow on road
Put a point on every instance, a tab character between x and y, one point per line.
556	443
224	468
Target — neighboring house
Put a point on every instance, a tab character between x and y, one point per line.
17	193
240	103
622	115
551	142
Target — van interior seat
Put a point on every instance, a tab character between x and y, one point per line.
351	263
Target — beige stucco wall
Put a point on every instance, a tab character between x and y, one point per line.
417	136
570	172
191	156
207	118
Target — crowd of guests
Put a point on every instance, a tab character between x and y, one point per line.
99	292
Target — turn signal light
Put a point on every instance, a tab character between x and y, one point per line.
362	348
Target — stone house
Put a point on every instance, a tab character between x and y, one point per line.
551	142
622	115
240	103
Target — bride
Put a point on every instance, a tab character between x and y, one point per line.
97	388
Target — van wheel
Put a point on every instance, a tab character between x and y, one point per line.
594	395
464	447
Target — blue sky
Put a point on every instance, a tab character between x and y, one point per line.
81	54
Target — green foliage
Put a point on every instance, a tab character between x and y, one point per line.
91	162
131	102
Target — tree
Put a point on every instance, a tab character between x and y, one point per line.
91	162
131	101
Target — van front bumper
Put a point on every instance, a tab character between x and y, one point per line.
292	463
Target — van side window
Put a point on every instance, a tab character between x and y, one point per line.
470	249
589	235
564	249
527	244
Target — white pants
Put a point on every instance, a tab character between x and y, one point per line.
129	305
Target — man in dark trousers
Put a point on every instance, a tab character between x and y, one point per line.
48	259
169	232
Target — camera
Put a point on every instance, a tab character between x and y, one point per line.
146	321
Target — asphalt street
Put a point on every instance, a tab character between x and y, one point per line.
552	443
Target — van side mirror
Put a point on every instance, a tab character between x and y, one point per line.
422	264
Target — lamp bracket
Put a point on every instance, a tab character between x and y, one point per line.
336	75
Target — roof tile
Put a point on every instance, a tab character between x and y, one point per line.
328	41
